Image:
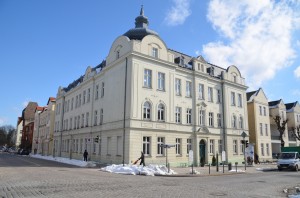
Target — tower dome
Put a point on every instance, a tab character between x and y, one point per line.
141	28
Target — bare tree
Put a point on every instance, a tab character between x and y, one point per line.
296	132
281	126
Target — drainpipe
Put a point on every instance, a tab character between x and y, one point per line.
125	93
194	113
223	112
61	124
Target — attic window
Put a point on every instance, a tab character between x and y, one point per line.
155	52
117	54
234	79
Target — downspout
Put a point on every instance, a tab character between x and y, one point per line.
125	94
194	113
223	109
61	124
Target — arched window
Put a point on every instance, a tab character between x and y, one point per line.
147	111
161	112
241	124
233	121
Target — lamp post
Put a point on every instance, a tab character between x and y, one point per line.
244	135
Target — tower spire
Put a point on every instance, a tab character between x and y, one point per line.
142	10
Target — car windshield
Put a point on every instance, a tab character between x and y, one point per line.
287	156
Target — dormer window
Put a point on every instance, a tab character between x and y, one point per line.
118	54
234	79
155	52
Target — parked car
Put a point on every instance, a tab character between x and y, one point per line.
25	152
289	160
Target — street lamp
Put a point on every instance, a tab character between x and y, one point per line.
244	135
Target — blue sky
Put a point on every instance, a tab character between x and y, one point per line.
47	44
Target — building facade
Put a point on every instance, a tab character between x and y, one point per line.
145	95
293	116
259	124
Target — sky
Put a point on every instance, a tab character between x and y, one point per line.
47	44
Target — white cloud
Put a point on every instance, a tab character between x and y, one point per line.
257	36
178	13
297	72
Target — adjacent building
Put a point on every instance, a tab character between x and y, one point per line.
293	116
145	95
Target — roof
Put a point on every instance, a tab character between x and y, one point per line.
274	103
250	94
289	106
51	99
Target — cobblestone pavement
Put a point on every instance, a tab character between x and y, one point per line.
91	182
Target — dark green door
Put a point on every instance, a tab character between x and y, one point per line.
202	152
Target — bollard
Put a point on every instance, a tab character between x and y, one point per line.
209	169
217	162
229	166
236	163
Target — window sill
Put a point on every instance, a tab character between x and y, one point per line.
178	155
161	90
147	87
160	156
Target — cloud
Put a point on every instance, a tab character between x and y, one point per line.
3	121
297	72
178	13
256	36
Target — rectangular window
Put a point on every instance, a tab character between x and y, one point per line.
202	117
76	102
108	146
155	52
265	111
178	115
160	142
188	89
101	116
220	146
87	119
266	129
72	103
95	118
88	95
234	146
102	90
119	145
71	122
210	119
84	93
210	94
232	99
219	120
211	146
178	87
188	145
219	96
267	149
146	145
97	92
189	116
262	150
82	120
75	122
261	129
178	146
260	110
161	81
79	100
81	144
147	78
240	100
201	91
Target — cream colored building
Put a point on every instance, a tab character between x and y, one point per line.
293	115
18	134
43	129
259	124
145	95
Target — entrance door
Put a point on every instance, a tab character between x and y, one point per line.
202	152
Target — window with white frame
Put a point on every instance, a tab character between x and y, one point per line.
97	92
262	150
75	122
82	120
211	119
234	122
146	145
219	96
266	129
178	87
160	142
88	95
147	78
232	99
161	81
261	129
189	116
71	122
241	122
155	52
178	146
79	100
201	117
119	145
72	101
234	144
265	111
78	122
87	119
147	111
219	120
201	91
211	146
101	116
188	89
210	94
76	103
161	112
96	118
83	100
220	148
240	104
268	149
178	114
102	90
188	145
260	110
